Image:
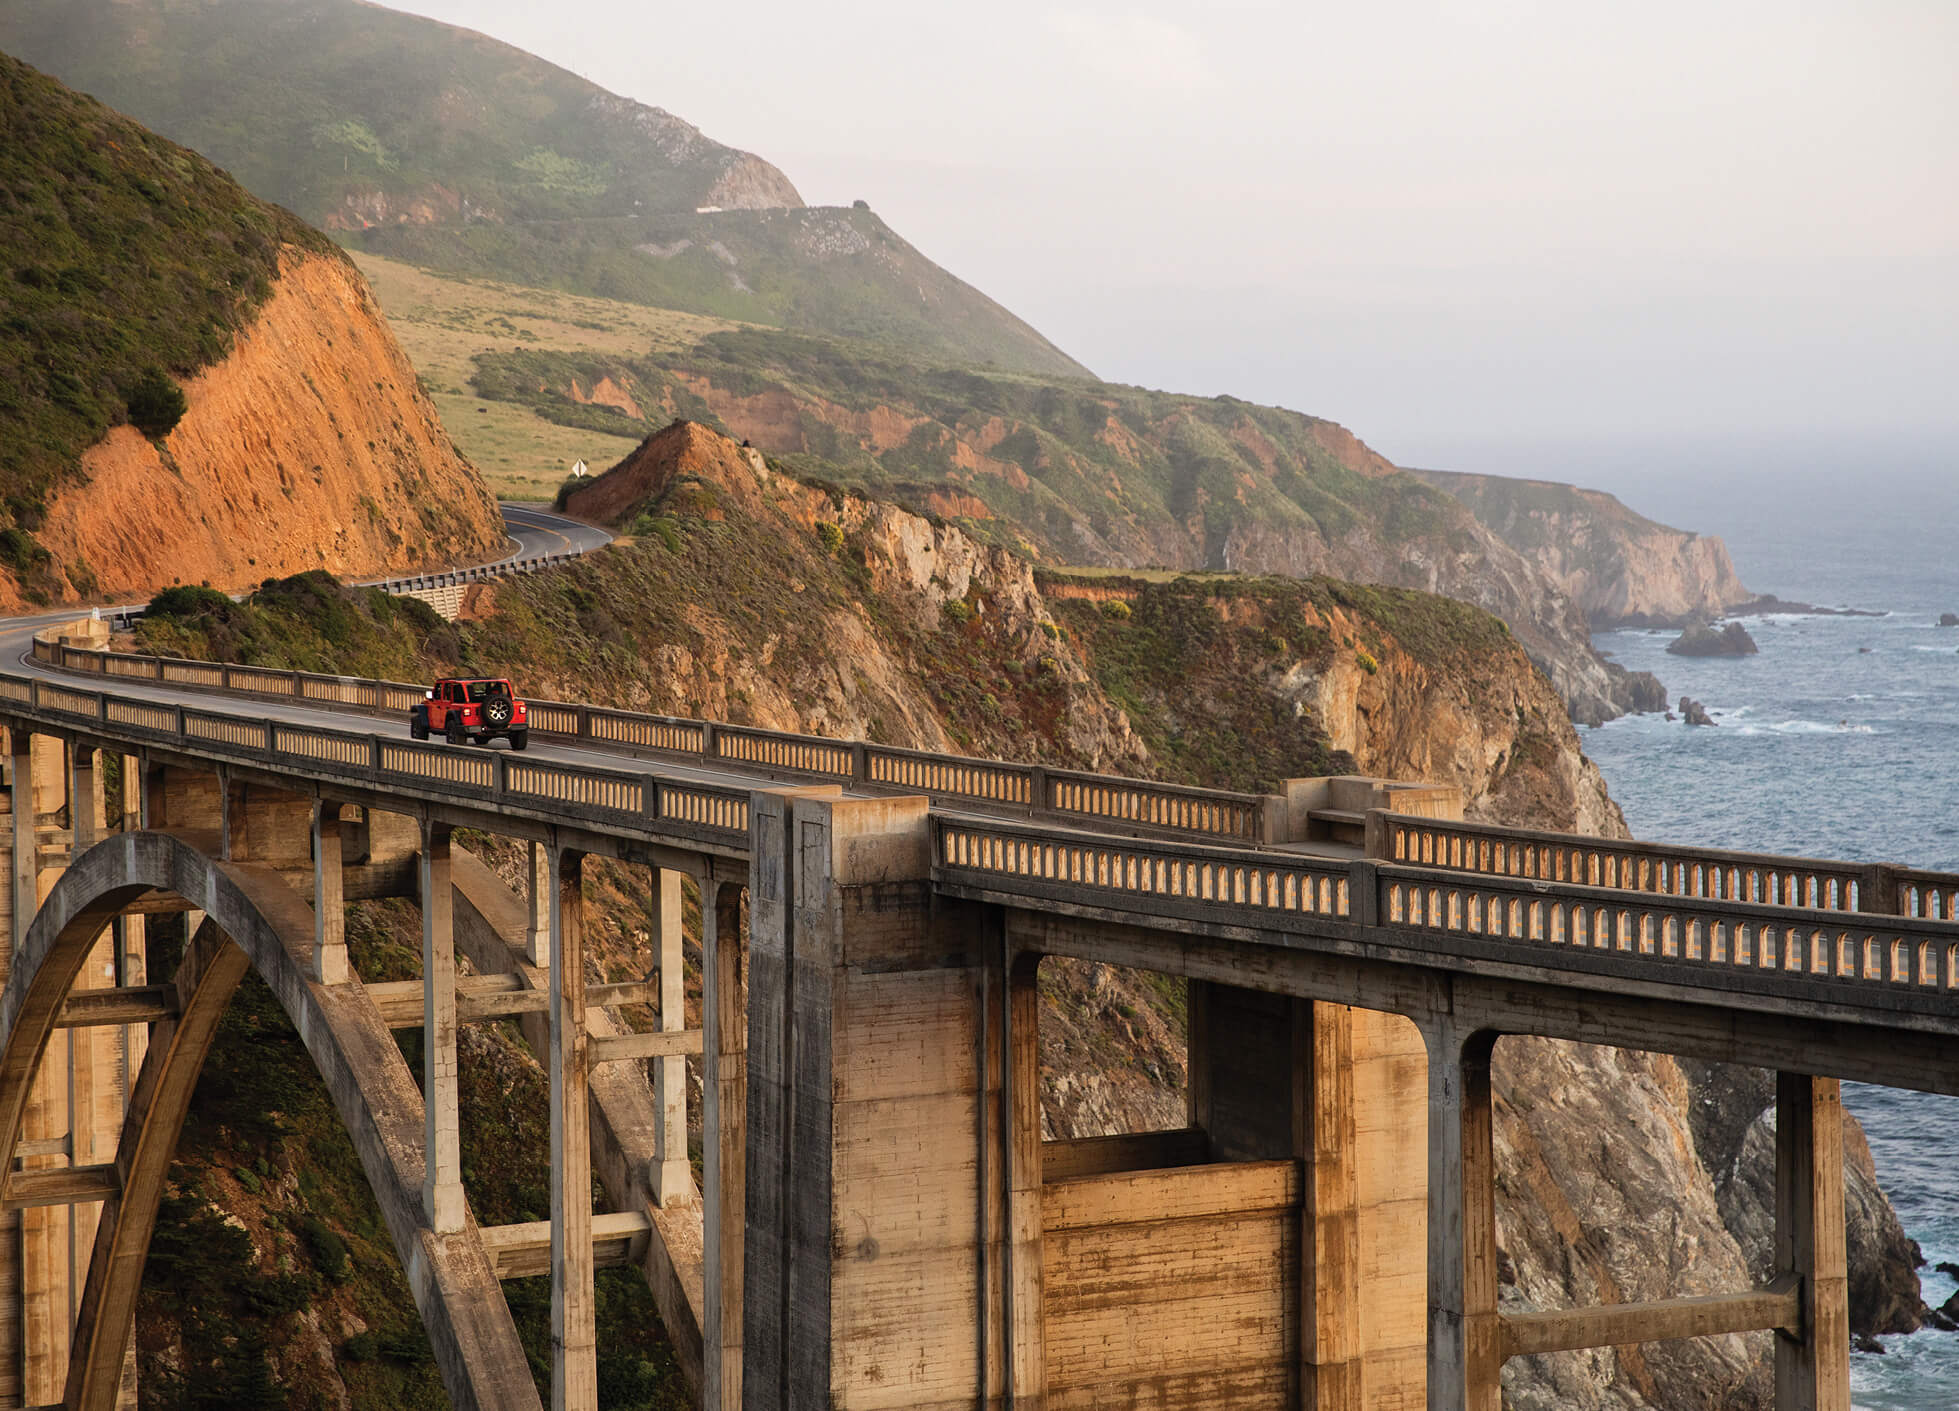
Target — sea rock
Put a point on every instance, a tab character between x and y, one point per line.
1703	641
1693	712
1949	619
1637	692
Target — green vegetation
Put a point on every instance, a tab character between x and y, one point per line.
431	144
126	265
1060	461
310	622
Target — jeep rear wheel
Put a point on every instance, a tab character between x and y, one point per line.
454	733
519	738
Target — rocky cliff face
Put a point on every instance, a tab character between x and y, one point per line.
310	445
1089	473
1620	568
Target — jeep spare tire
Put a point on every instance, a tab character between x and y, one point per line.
496	711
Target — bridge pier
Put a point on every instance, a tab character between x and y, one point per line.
442	1181
1812	1370
574	1332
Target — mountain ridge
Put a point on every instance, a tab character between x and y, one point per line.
442	145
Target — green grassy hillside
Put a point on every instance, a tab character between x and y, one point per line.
437	145
125	262
1078	470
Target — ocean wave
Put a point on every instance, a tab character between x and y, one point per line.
1797	727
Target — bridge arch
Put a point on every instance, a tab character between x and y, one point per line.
255	921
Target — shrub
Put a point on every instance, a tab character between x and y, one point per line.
1366	661
156	403
186	601
957	610
831	537
327	1249
1116	610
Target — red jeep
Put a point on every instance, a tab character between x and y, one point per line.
471	712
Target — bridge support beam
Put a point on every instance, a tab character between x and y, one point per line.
574	1330
442	1180
1812	1370
672	1174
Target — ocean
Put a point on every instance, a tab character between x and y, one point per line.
1841	739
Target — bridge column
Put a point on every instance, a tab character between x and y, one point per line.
875	1250
574	1336
724	1126
1464	1330
83	800
26	836
1811	1373
329	896
442	1178
673	1174
537	893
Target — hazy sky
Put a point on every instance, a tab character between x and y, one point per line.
1462	229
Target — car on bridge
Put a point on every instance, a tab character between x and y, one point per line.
471	711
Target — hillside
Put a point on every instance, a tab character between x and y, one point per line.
1076	472
439	145
745	594
203	363
1621	568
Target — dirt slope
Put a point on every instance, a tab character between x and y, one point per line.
310	446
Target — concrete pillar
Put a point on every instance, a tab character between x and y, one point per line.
1463	1325
537	931
1026	1313
153	792
84	801
1327	1140
329	896
724	1126
26	839
442	1179
672	1177
1811	1373
574	1336
233	844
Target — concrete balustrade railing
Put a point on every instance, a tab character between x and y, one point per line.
1711	873
633	801
1130	804
1863	957
1173	877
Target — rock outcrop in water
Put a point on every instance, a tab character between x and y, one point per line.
1702	640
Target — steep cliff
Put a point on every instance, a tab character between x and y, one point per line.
309	446
194	386
1620	568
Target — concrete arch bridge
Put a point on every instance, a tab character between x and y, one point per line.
878	1222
